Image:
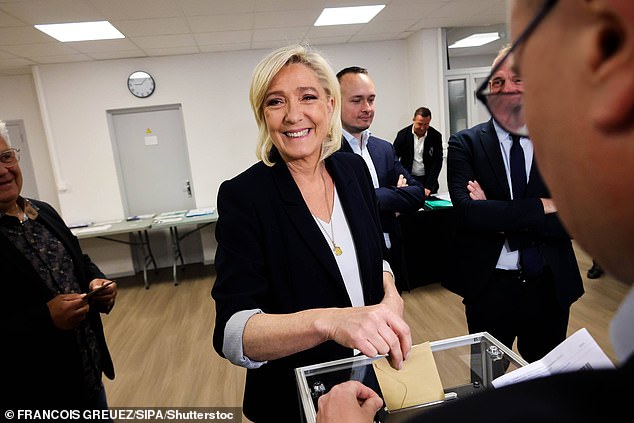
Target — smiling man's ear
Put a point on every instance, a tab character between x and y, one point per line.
612	65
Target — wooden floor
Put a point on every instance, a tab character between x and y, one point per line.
160	338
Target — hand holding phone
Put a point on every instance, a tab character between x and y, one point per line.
97	290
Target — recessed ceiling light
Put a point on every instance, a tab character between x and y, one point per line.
476	40
81	31
348	15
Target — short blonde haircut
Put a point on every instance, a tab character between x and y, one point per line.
264	73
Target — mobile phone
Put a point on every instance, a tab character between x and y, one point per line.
97	290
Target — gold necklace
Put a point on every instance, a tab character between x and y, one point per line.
338	251
18	212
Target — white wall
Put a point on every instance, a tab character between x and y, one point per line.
425	53
20	102
219	125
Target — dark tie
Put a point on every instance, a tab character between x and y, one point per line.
518	168
530	258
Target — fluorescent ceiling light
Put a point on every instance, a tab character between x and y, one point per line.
476	40
81	31
348	15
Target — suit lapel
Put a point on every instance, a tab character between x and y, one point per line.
536	186
351	199
410	141
491	146
59	233
345	145
379	159
302	220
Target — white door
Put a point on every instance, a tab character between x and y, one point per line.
154	172
18	140
464	109
153	162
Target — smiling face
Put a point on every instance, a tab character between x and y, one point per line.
297	113
10	182
505	99
421	125
357	107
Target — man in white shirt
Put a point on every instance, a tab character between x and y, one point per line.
396	190
419	148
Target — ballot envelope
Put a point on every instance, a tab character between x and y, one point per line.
466	365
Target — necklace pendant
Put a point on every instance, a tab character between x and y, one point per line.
338	251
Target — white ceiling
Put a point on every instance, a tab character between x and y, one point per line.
172	27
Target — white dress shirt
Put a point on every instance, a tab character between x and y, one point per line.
509	260
360	147
418	167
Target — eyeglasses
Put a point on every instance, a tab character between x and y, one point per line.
498	83
10	157
507	107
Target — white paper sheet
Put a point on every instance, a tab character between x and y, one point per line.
91	229
578	352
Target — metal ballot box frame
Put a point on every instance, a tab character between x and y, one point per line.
466	365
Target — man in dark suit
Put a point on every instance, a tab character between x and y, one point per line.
396	190
514	263
419	147
570	122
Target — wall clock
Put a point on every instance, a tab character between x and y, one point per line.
141	84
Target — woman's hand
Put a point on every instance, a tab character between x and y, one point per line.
373	330
67	310
392	298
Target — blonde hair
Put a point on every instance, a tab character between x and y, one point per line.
264	73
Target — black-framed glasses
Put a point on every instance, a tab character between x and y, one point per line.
10	157
506	106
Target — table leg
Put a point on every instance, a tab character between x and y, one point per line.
148	256
175	252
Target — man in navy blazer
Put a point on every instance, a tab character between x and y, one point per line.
396	190
514	263
421	157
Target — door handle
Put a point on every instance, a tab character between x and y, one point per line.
188	188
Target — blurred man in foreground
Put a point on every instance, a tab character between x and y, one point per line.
577	62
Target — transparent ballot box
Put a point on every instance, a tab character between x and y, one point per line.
466	365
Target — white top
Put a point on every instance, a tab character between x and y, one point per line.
347	261
418	167
348	266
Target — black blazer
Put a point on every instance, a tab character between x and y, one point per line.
483	226
272	255
432	154
388	168
585	396
41	364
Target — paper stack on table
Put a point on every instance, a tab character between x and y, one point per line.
91	229
200	212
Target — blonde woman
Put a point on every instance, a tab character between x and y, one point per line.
300	272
